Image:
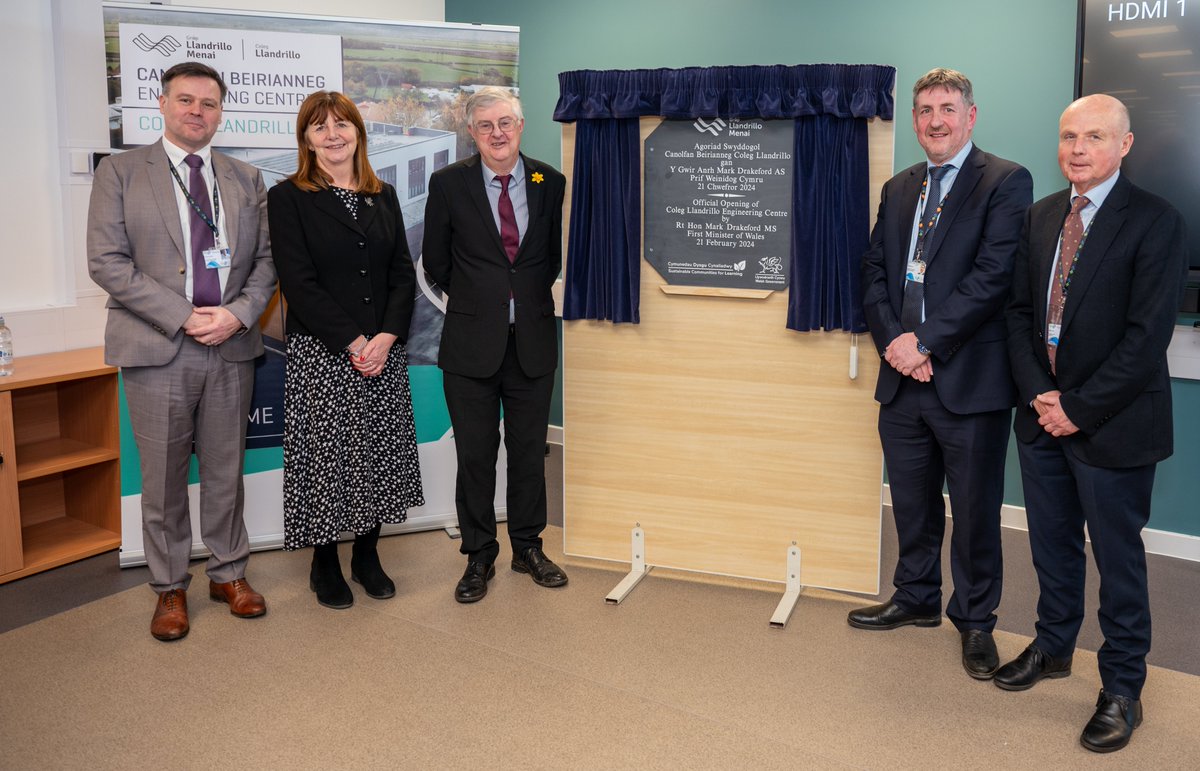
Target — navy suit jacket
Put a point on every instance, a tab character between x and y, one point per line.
1117	323
967	279
463	252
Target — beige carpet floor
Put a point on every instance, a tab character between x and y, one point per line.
681	675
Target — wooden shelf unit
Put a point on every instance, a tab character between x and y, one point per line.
60	475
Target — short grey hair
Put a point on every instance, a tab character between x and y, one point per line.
489	95
946	78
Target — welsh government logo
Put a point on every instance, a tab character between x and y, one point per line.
771	264
713	127
166	45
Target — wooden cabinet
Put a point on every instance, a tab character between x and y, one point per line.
60	476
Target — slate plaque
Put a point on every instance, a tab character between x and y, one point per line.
719	202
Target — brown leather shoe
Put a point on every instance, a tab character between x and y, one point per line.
243	601
170	620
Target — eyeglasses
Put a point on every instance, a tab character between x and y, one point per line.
486	126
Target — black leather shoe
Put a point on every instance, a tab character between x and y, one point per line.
1111	727
979	655
1023	672
472	587
889	615
534	562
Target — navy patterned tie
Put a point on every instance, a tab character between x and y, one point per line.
913	307
206	286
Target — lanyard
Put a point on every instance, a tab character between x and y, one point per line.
216	199
925	228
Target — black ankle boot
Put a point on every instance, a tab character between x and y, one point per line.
326	579
365	567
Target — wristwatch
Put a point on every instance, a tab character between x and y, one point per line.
921	349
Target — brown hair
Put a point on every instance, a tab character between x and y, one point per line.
316	108
192	70
952	80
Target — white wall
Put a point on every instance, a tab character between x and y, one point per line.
55	50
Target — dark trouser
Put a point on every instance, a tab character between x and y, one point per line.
475	408
1062	493
924	445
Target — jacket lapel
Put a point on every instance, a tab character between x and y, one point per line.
966	181
231	199
327	202
910	194
473	173
534	197
162	182
1104	228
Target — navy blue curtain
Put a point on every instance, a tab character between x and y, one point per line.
830	220
603	254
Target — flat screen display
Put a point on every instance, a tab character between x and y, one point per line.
1147	54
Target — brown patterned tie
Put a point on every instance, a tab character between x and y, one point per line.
1060	282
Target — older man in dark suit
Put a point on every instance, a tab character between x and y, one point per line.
177	236
493	241
935	281
1098	280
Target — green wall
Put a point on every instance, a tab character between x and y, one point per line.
1019	54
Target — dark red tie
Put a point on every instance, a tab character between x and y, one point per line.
206	286
509	234
1072	237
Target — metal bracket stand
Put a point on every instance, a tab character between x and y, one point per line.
637	570
787	603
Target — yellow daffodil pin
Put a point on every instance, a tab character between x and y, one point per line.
537	177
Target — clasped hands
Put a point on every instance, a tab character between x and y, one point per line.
211	325
904	357
370	356
1051	416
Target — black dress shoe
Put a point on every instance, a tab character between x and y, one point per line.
979	655
889	615
1112	725
1032	665
472	587
534	562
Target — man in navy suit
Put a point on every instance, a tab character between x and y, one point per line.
935	281
493	241
1098	279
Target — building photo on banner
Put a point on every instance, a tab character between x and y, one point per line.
410	82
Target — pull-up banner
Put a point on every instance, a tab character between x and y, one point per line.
268	74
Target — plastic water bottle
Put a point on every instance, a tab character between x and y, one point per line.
6	349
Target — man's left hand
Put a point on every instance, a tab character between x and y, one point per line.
902	354
220	326
1052	418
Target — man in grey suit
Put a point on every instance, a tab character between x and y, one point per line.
187	266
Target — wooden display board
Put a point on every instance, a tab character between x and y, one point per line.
724	434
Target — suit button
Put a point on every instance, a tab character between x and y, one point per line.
362	244
512	270
362	273
366	301
182	270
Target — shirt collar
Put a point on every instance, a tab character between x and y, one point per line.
1098	193
959	158
176	154
518	172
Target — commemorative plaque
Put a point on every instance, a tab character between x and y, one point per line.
719	202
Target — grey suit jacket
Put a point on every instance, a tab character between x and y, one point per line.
135	249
